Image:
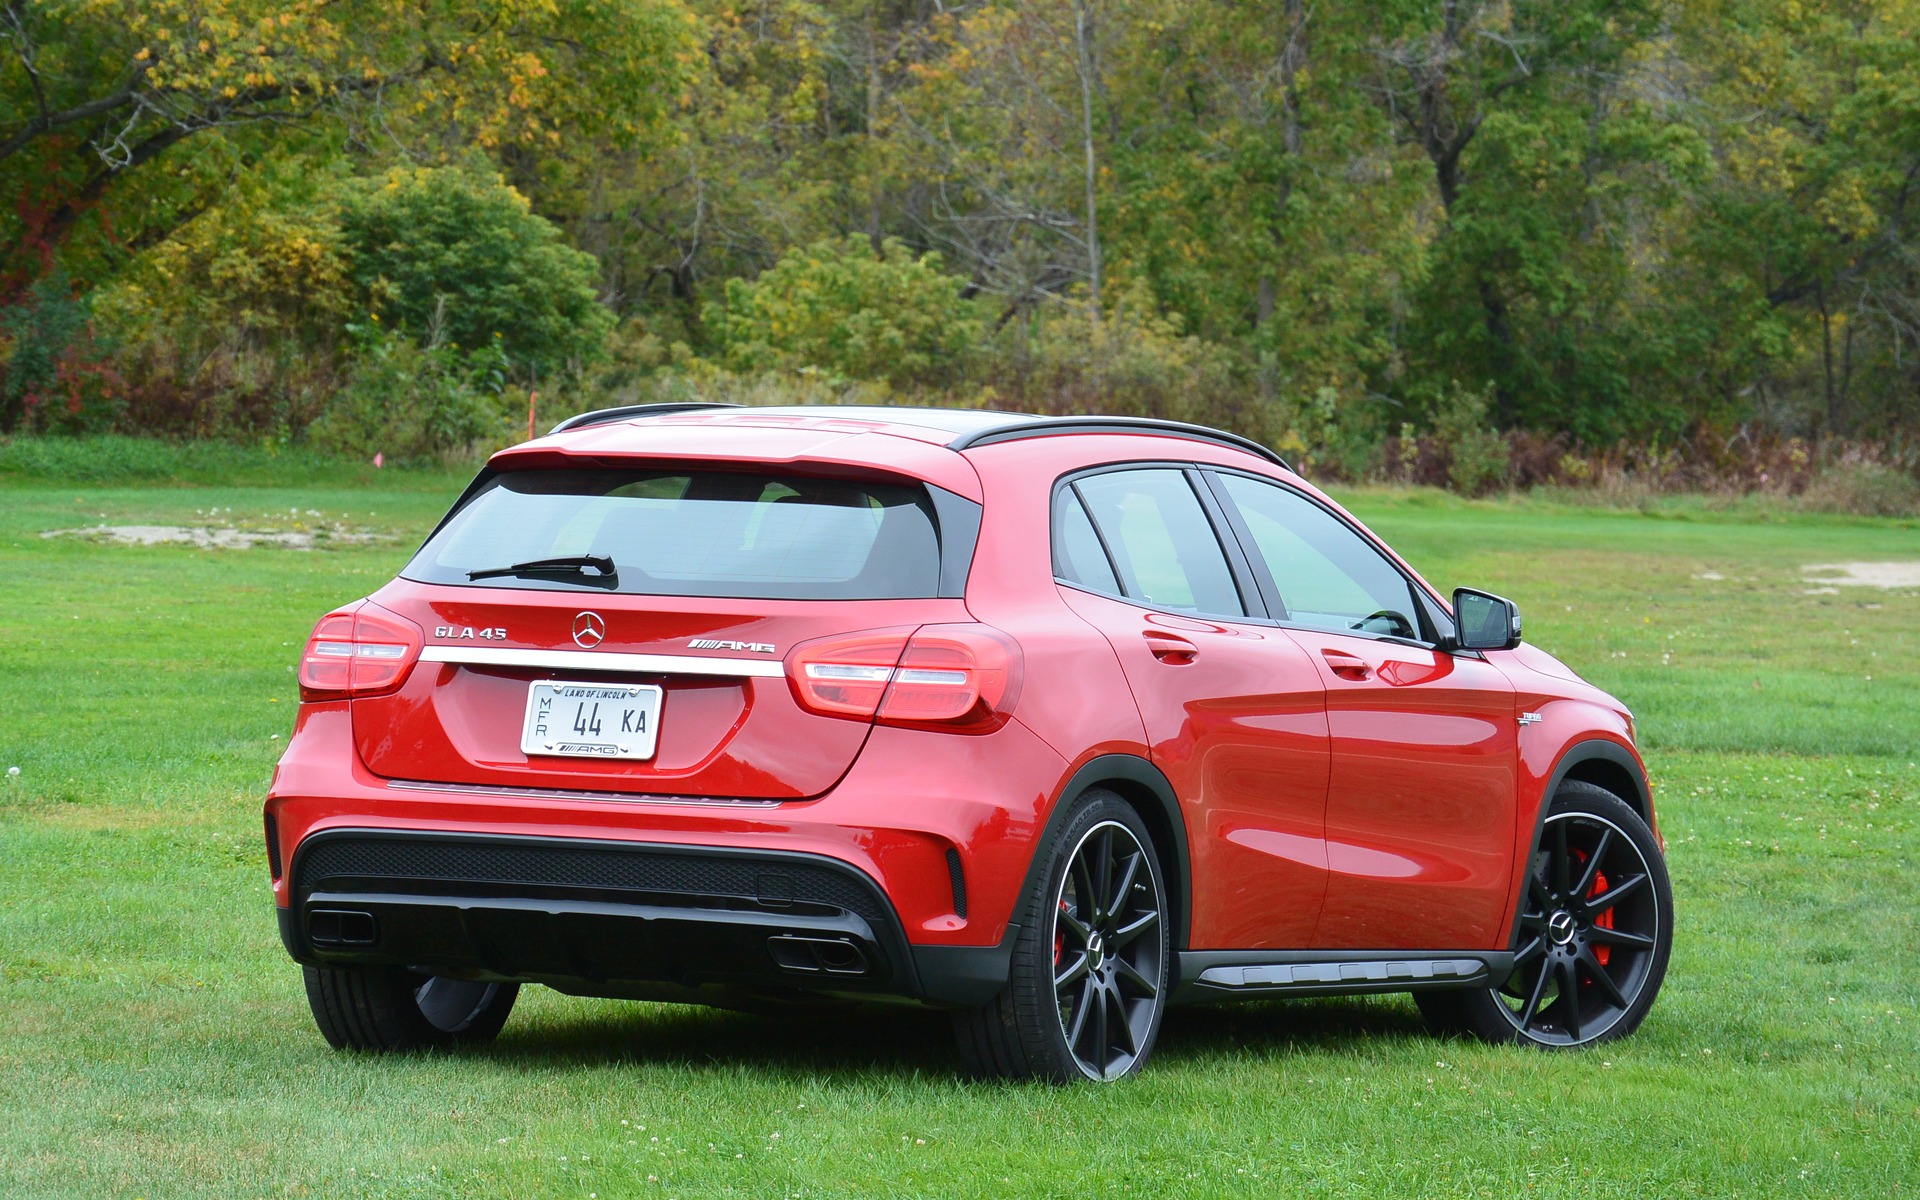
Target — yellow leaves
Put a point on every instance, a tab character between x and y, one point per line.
1848	207
143	55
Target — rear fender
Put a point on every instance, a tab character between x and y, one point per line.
1142	785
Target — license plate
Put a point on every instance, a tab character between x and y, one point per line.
591	720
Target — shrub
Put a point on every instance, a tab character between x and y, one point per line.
262	264
838	307
1477	455
412	402
54	373
1872	488
453	257
1137	360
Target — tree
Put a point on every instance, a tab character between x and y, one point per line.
1519	108
94	90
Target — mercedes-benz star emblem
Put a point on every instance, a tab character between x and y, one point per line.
589	629
1560	927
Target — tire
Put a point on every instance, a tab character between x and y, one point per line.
1088	986
391	1008
1596	929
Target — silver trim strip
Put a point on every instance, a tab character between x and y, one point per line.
1284	975
603	660
528	793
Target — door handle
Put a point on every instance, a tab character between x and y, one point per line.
1170	648
1347	666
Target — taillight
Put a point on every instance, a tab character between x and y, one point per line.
962	678
846	676
358	652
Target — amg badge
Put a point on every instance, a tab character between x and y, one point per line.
712	644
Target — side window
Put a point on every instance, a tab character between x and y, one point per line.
1077	554
1161	542
1327	575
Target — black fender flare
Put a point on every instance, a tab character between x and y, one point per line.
1591	750
1152	796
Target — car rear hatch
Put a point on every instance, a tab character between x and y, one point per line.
636	635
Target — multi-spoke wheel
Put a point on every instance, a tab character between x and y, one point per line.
1090	969
390	1008
1596	925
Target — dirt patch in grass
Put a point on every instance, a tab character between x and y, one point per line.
1866	574
215	537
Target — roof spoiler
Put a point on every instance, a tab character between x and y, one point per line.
602	416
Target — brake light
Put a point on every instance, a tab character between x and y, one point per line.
961	678
358	651
846	676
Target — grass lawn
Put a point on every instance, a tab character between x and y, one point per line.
154	1041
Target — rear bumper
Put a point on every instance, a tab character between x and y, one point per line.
616	917
944	825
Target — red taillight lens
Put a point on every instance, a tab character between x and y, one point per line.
358	652
328	659
964	674
961	678
846	676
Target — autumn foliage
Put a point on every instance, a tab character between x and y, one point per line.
1463	226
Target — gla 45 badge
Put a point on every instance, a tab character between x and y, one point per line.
468	632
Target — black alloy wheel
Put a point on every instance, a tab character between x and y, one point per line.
1109	974
1089	979
1595	931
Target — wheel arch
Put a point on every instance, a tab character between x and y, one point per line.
1146	790
1605	764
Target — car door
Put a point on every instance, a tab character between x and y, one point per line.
1232	707
1421	803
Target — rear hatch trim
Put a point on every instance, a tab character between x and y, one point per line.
605	660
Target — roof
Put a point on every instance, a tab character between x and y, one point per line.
955	428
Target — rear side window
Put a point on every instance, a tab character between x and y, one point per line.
1159	539
1078	556
694	534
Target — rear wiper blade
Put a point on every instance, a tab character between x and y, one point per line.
595	570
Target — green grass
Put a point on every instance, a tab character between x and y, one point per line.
155	1042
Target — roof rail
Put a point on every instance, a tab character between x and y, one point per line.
1054	426
603	415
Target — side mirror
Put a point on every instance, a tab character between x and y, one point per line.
1484	621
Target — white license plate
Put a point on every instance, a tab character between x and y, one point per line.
591	720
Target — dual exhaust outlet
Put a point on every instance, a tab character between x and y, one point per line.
814	955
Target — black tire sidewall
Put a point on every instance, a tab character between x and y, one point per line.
373	1008
1033	963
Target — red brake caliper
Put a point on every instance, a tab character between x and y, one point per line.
1601	953
1605	920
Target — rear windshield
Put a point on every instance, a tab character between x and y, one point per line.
691	534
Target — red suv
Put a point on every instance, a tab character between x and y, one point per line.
1050	722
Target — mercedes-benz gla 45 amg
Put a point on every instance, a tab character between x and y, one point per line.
1052	723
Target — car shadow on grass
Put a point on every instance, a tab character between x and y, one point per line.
872	1041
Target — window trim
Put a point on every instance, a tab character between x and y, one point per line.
1433	617
1244	579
